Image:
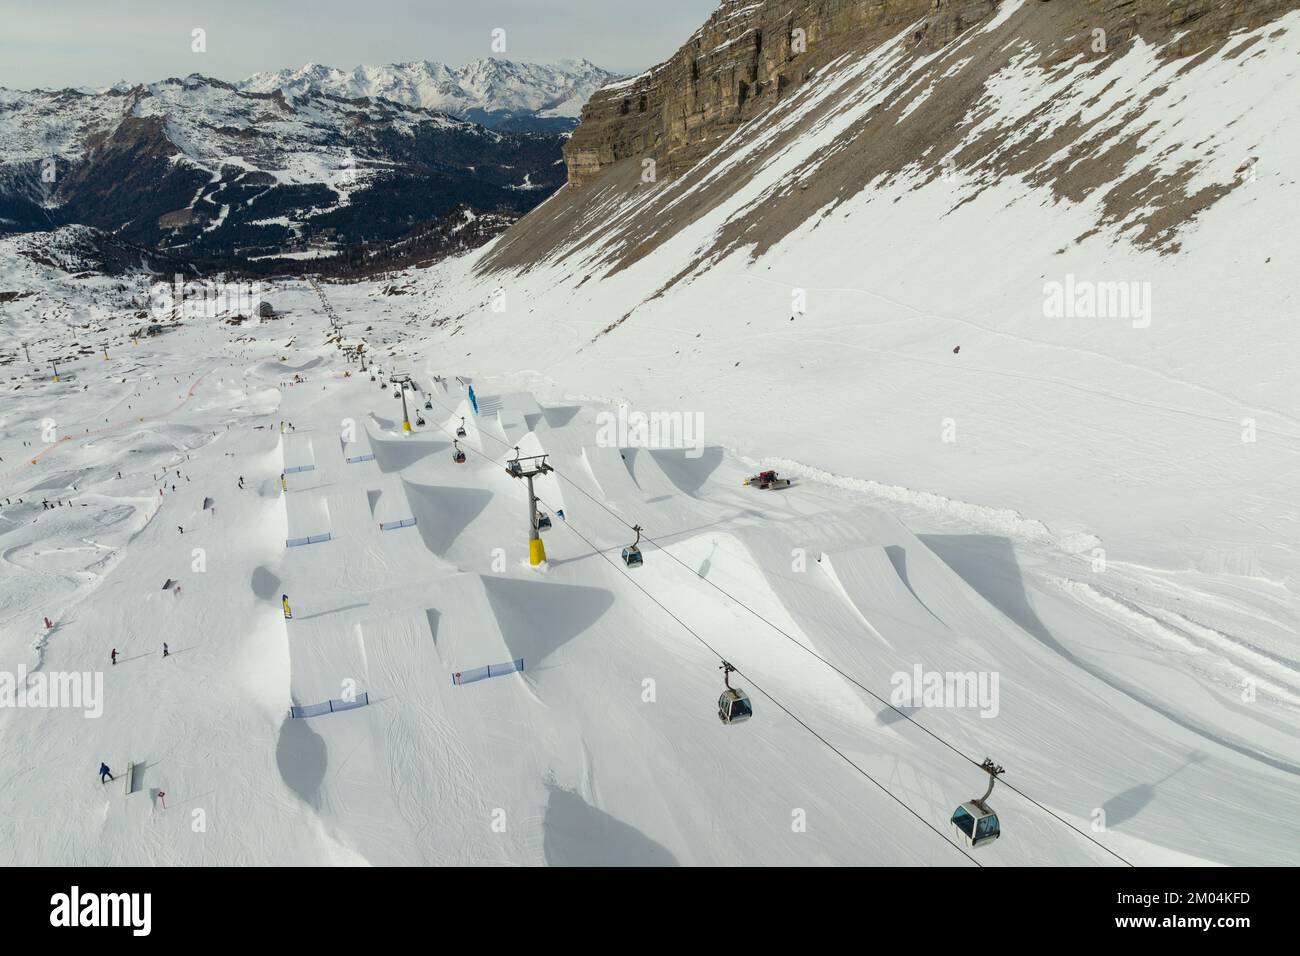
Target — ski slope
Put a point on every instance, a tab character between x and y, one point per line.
1093	519
606	749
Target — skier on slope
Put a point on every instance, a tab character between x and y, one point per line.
104	772
165	651
113	657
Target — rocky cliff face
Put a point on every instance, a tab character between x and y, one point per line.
752	53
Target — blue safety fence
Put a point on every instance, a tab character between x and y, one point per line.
359	458
297	468
483	673
329	707
310	539
393	525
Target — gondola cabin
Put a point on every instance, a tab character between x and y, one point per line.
734	706
975	823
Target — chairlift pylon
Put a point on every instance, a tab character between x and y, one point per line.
733	705
975	822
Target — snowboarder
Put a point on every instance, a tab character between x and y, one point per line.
113	657
105	774
180	529
241	482
165	651
288	612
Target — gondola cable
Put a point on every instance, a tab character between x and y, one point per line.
732	669
953	748
780	706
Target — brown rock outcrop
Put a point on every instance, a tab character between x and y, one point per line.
750	53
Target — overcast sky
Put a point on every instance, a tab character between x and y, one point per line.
62	43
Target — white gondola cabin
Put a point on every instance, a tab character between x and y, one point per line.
974	822
733	705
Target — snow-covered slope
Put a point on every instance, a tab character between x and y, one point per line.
605	750
1090	514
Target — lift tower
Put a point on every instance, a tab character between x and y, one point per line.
528	469
403	382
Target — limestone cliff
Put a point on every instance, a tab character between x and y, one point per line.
752	53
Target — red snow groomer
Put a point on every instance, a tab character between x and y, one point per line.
765	480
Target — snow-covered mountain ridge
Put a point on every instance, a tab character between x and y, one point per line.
492	91
202	170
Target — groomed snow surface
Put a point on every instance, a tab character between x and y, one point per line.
1098	513
607	748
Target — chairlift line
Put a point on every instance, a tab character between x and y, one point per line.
730	668
634	553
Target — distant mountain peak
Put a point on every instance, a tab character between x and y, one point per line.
489	90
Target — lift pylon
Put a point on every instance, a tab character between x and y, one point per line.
528	469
